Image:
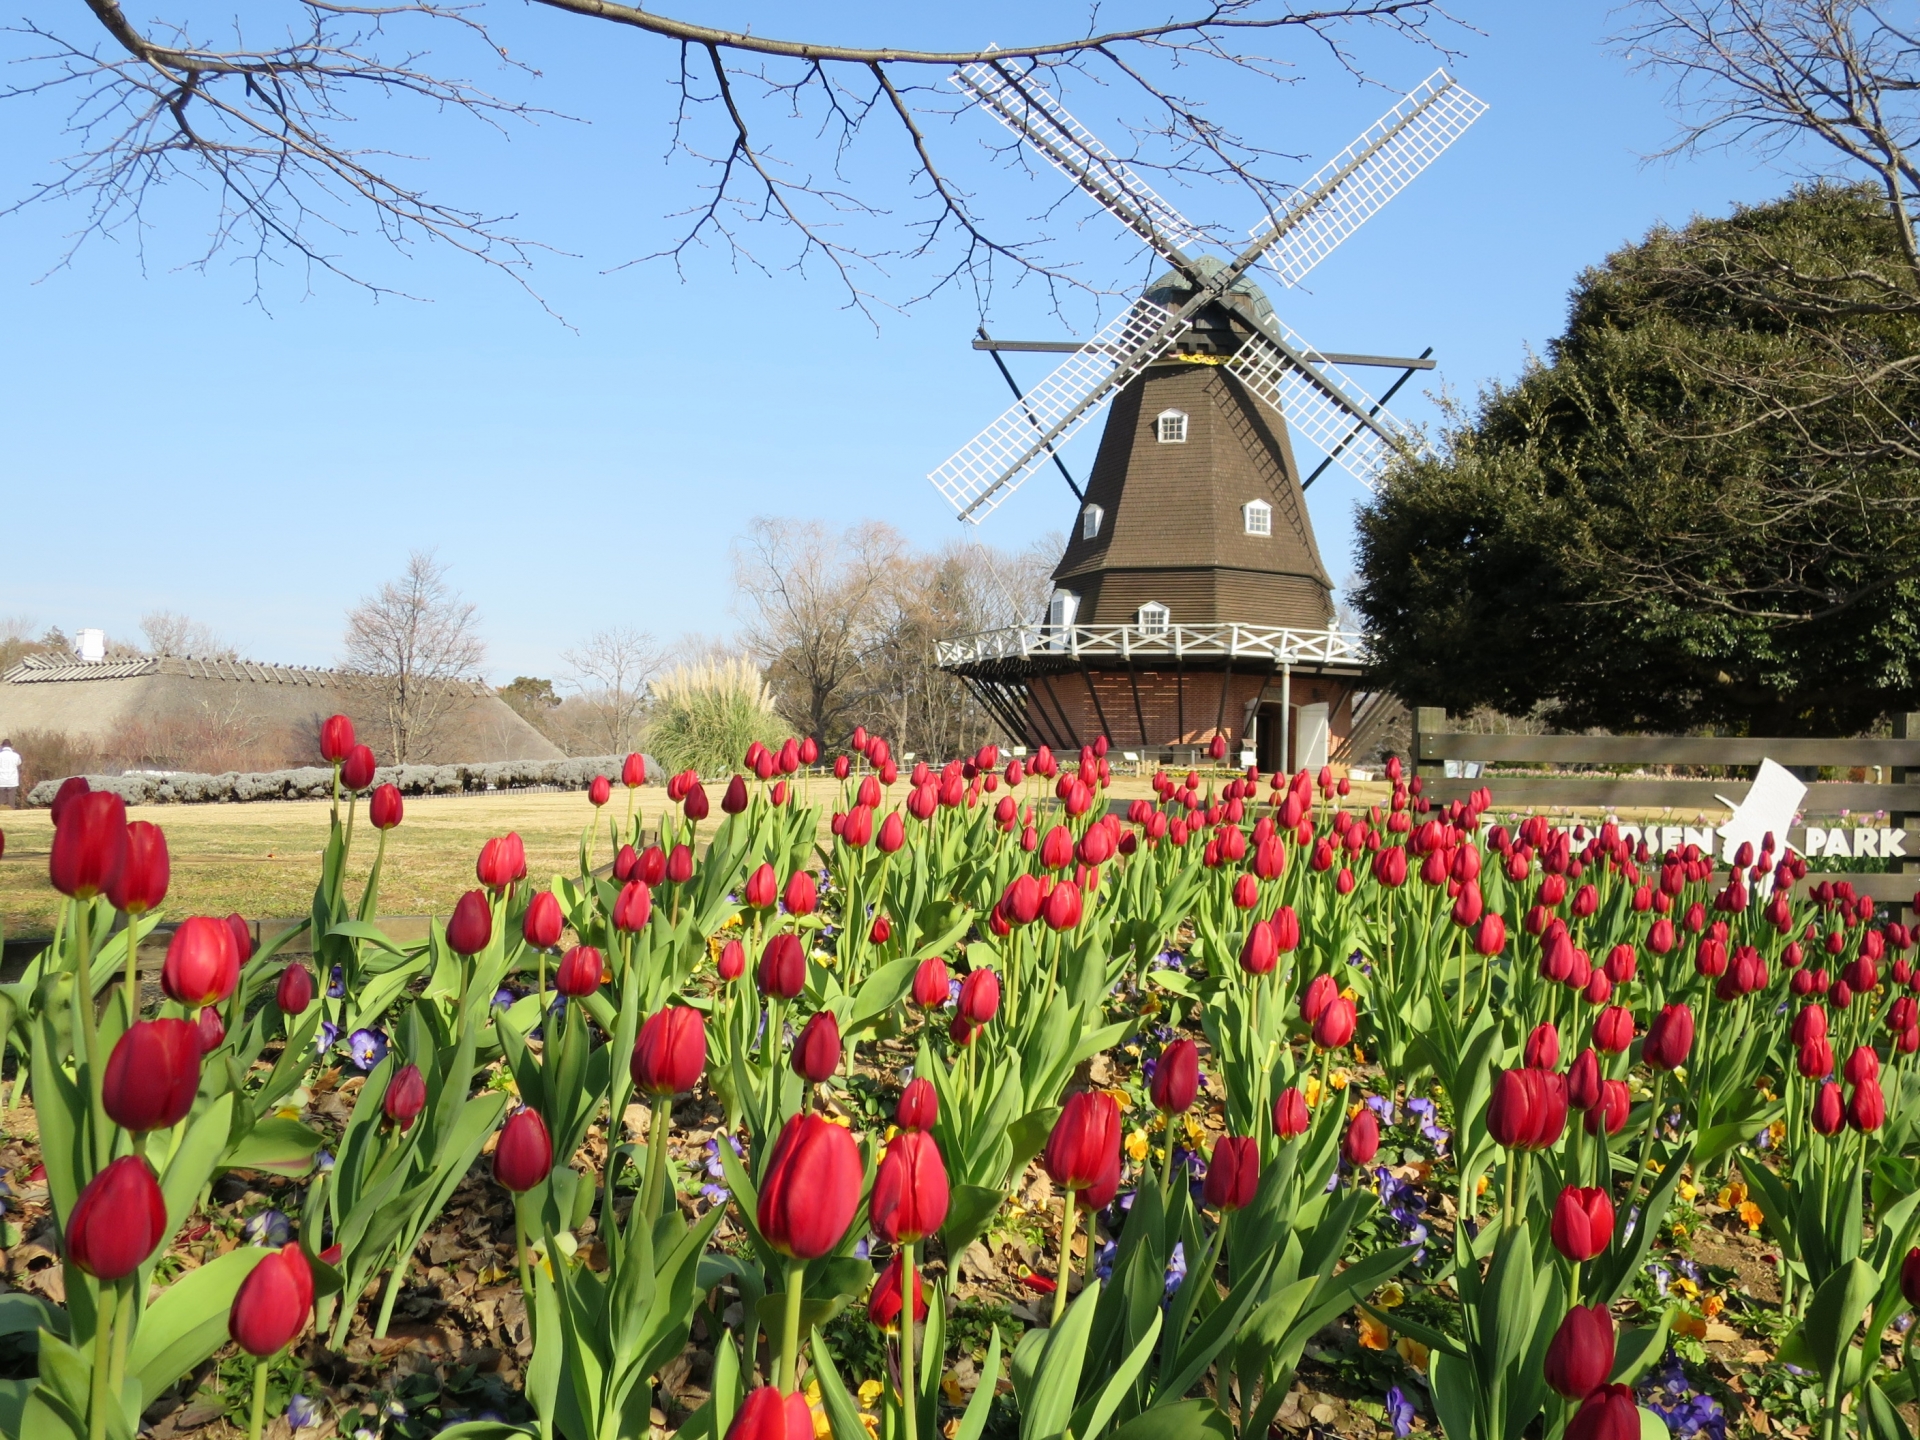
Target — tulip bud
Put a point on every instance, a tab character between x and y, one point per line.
733	961
1580	1356
1910	1277
1062	908
811	1188
470	927
1829	1112
671	1052
202	966
272	1304
910	1196
579	972
1867	1107
919	1107
502	861
1582	1223
1233	1174
633	772
1084	1137
816	1053
524	1155
385	807
599	791
802	896
1321	992
1491	938
117	1221
336	738
1613	1029
1609	1413
883	1309
1584	1081
1259	954
979	998
295	990
153	1075
694	803
543	921
1335	1026
1543	1048
140	884
1176	1079
1362	1140
356	770
633	907
766	1414
783	967
1290	1114
1669	1038
89	844
406	1096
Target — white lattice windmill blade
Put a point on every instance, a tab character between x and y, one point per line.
991	466
1028	110
1360	434
1356	184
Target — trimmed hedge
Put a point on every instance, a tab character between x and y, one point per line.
314	782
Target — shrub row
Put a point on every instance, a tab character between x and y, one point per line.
314	782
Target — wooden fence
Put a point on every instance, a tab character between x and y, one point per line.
1896	791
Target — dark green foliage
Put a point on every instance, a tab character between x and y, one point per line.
1703	509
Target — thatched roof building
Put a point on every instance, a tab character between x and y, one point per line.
233	714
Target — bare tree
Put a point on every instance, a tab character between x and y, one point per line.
814	602
788	130
611	672
417	647
170	633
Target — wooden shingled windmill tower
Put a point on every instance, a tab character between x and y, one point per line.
1191	601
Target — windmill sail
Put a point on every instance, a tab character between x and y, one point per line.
1304	395
989	467
1356	184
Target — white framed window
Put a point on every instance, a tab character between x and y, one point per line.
1153	618
1062	608
1090	519
1170	427
1259	517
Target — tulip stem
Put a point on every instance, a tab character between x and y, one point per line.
102	1361
1166	1168
259	1400
1066	1256
656	1158
790	1329
520	1256
908	1286
1646	1137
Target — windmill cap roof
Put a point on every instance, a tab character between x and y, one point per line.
1173	288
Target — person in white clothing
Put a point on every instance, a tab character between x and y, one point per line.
9	776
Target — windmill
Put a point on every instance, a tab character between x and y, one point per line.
1191	593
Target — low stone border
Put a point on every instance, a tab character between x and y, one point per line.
314	782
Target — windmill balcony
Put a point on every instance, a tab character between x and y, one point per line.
1259	643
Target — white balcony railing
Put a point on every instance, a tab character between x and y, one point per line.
1159	642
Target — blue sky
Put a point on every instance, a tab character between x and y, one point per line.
170	445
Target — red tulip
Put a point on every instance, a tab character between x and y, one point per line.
1582	1223
919	1107
140	883
1829	1113
930	983
909	1200
1285	925
336	738
816	1053
386	807
735	799
883	1309
1528	1109
1321	992
766	1414
406	1096
1580	1356
633	772
679	865
694	803
211	1029
502	861
202	966
1085	1135
979	996
1362	1140
1491	938
1233	1174
1612	1111
783	967
295	991
1176	1079
1585	1083
802	896
117	1221
89	844
272	1304
1862	1065
579	972
633	907
811	1189
524	1155
1910	1277
1543	1048
1669	1038
1260	953
599	791
670	1054
544	921
1613	1029
356	770
1062	907
470	927
1609	1413
893	832
1867	1107
1335	1026
857	831
1246	892
153	1075
1290	1114
733	960
242	932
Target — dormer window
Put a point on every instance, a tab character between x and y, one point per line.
1062	608
1259	517
1153	618
1170	427
1090	519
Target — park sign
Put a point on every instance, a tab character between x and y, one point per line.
1851	842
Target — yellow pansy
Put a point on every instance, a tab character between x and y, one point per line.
1373	1333
870	1391
1137	1145
1391	1297
1750	1215
1687	1190
1311	1092
1413	1352
1338	1080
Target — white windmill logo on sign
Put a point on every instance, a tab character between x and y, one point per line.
1316	399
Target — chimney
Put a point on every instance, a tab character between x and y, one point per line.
92	645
